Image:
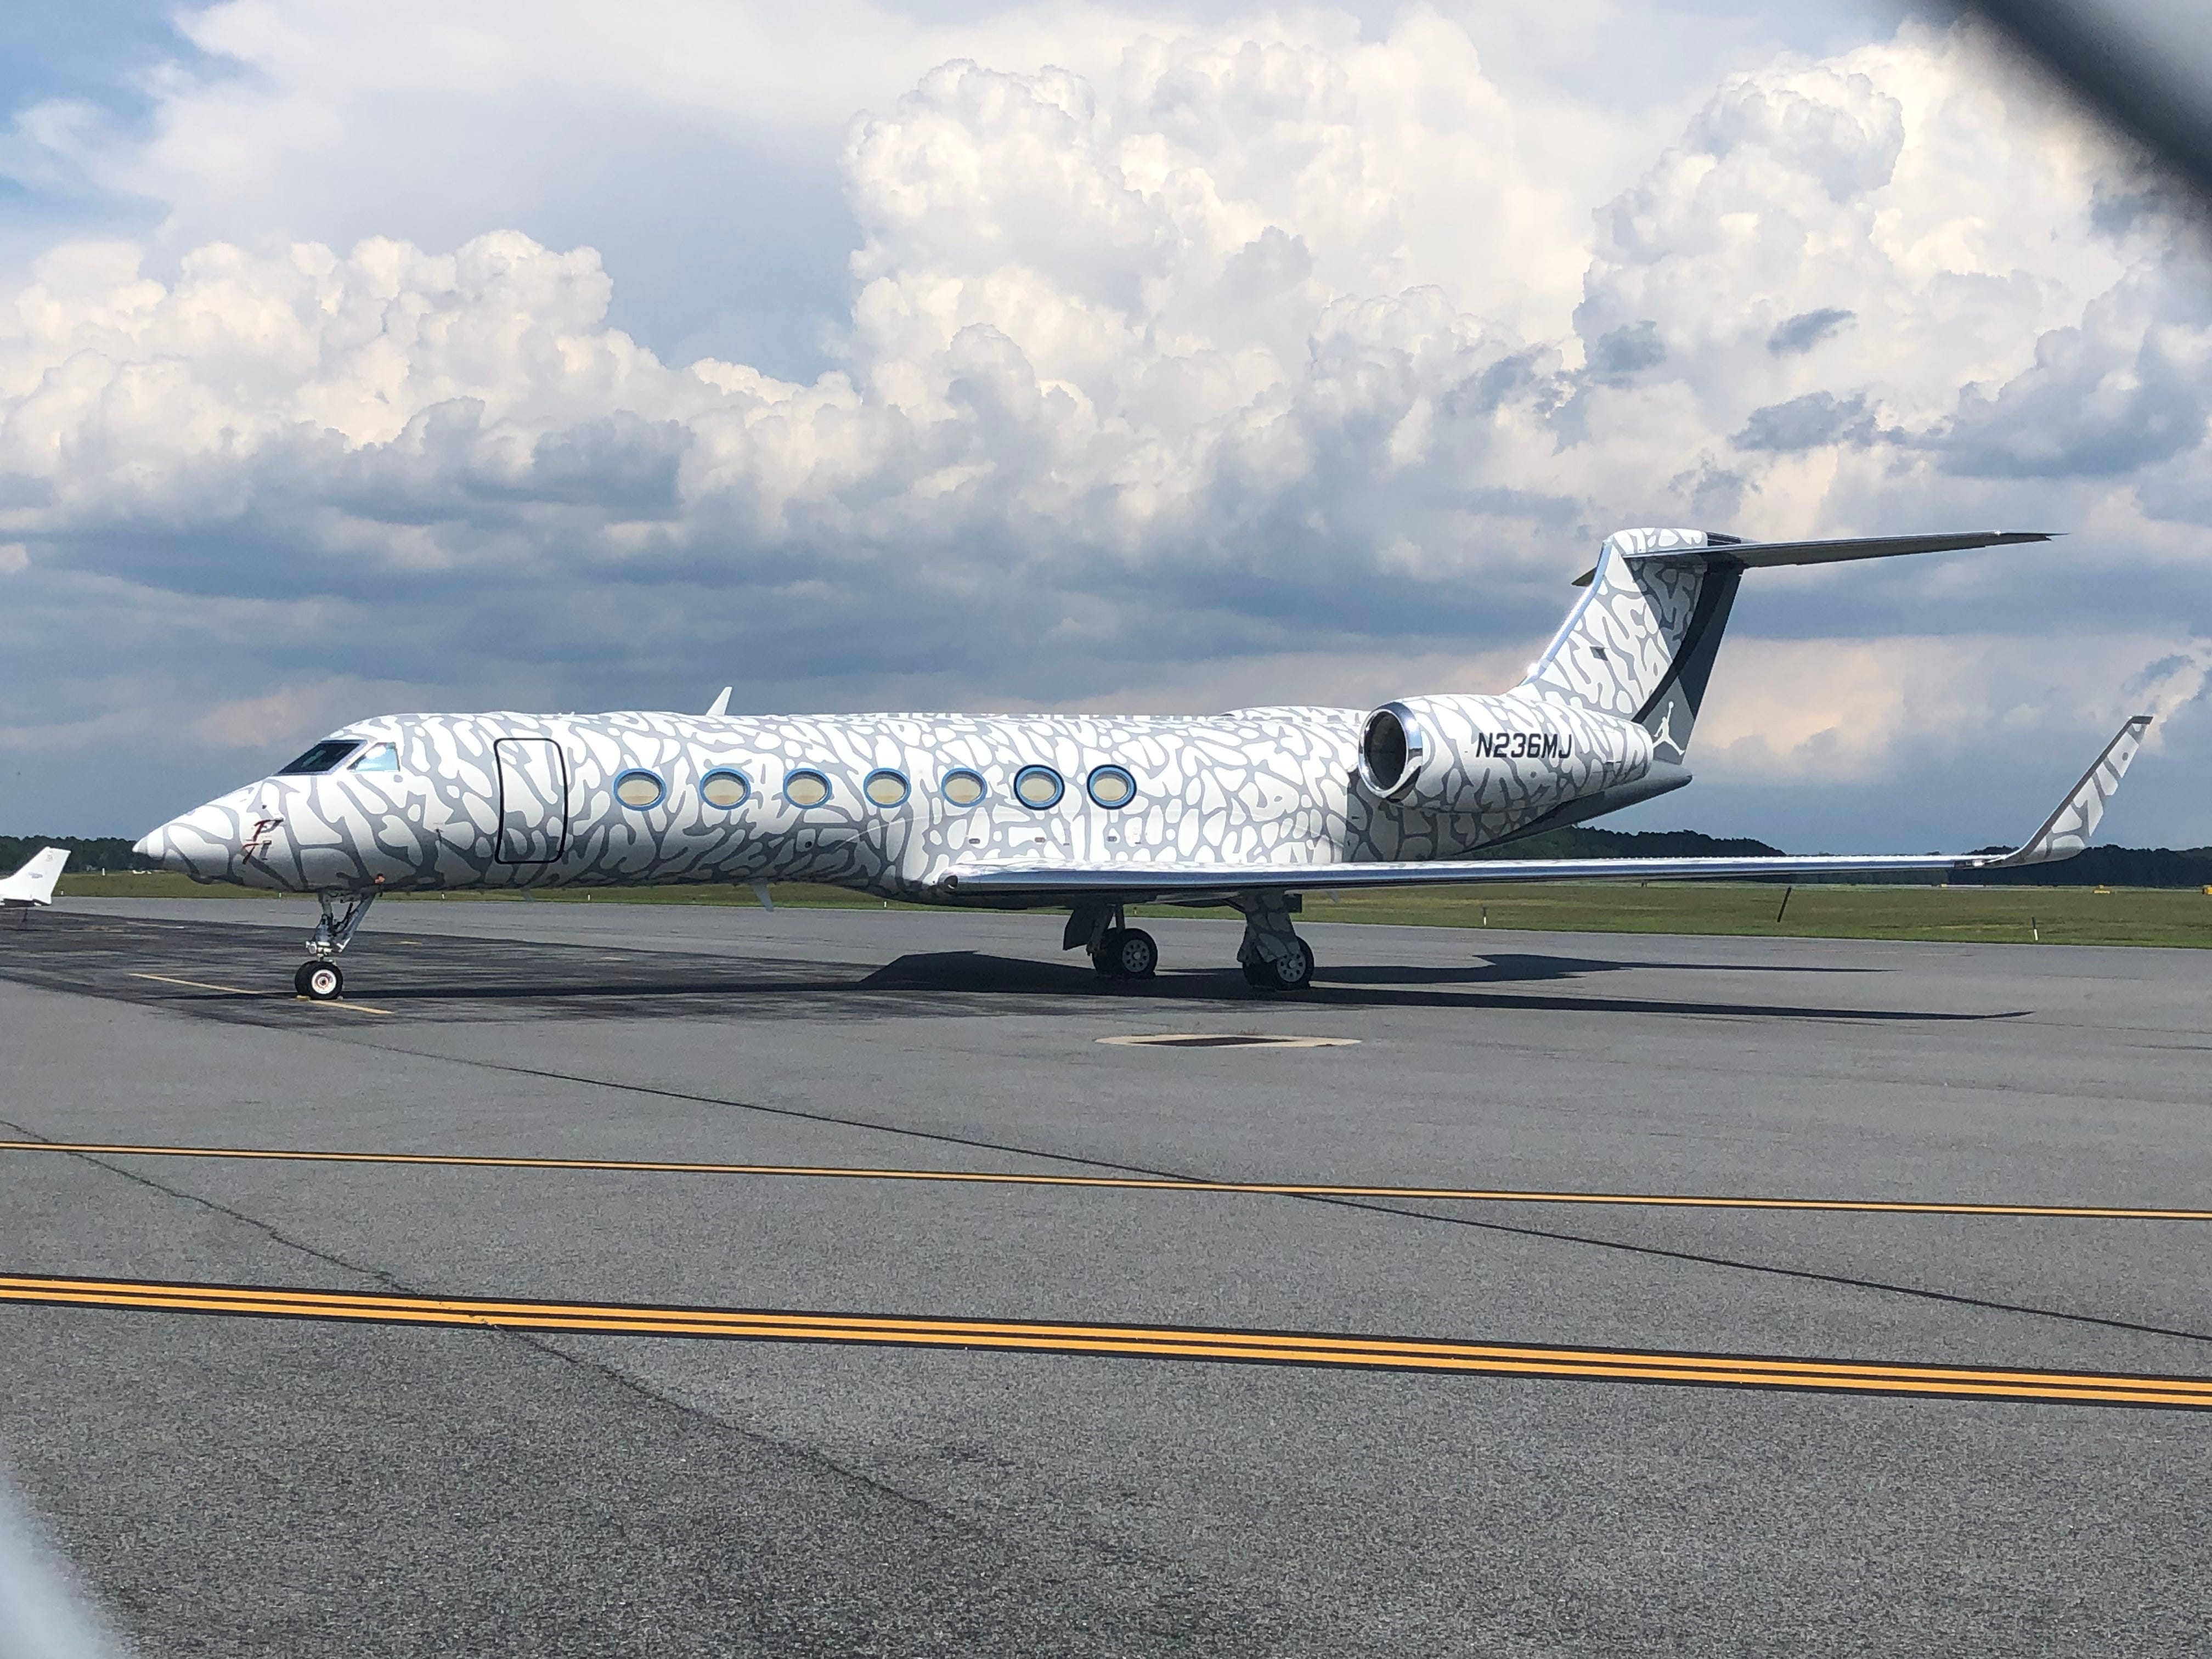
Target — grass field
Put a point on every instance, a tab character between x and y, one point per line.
2021	916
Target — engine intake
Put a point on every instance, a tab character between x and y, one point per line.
1508	757
1392	749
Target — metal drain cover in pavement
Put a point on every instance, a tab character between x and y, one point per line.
1227	1039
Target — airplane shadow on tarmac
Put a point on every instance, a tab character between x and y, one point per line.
1505	968
973	972
231	973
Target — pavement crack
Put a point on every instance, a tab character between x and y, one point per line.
1370	1206
274	1234
531	1340
830	1118
644	1390
1810	1275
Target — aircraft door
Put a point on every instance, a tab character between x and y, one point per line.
533	800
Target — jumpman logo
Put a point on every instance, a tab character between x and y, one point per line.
1665	735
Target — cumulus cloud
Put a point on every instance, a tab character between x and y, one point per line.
1793	335
1813	421
1262	356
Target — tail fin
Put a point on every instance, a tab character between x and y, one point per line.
34	883
1641	642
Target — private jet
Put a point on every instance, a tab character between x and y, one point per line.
1091	814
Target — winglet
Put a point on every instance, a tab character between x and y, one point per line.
2067	831
722	704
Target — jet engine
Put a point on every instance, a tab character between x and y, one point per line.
1514	754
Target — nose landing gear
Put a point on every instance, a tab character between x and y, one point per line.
319	979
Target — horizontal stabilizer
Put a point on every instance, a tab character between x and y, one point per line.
2063	834
1758	555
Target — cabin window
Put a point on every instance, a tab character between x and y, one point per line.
884	787
1038	786
323	757
726	787
639	788
963	788
805	788
1112	786
381	757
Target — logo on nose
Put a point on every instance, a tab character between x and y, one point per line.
257	841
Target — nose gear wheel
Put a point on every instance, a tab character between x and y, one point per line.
318	981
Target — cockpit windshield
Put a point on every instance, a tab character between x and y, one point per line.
323	757
381	758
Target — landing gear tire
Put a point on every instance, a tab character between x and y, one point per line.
1126	953
318	981
1294	972
1132	952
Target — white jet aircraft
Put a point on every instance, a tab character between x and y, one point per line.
1089	813
33	884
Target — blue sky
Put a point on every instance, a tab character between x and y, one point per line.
359	359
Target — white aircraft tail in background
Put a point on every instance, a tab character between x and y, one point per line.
34	883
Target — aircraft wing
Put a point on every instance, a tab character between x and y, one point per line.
2063	834
34	883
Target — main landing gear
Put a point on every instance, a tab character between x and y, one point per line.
319	979
1117	950
1274	958
1127	953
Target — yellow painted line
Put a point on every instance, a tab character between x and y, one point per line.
1138	1183
1224	1040
1142	1341
240	991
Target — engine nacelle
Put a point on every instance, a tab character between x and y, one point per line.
1516	755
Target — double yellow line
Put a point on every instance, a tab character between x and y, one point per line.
1142	1184
1136	1341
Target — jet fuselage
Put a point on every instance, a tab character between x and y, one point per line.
884	804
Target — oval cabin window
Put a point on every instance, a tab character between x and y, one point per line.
962	787
1112	786
808	788
885	787
1038	786
640	789
726	787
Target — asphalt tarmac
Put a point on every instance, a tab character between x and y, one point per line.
958	1329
